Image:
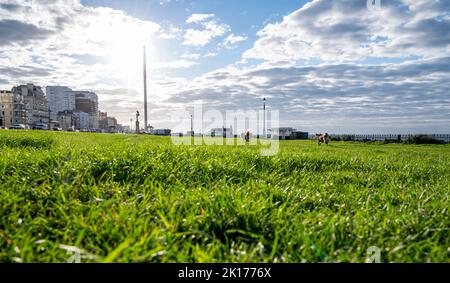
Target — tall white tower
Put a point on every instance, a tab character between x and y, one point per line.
145	91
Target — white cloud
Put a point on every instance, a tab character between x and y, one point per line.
198	18
74	29
201	37
232	39
210	29
191	56
70	44
410	97
178	64
171	32
210	54
81	46
332	30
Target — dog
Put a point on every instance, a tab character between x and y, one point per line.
323	138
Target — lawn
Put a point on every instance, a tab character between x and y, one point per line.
130	198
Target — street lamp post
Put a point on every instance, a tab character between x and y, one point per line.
192	127
264	117
49	119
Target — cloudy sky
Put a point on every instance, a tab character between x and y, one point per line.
336	66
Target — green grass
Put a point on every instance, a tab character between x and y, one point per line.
128	198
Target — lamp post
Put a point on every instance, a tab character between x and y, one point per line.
192	127
264	117
49	120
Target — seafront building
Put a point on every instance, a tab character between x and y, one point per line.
87	102
60	99
35	104
6	109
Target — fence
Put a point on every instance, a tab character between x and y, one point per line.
445	138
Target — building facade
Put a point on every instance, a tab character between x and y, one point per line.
112	124
35	104
6	109
87	102
19	111
103	121
82	120
287	133
63	99
107	124
222	132
66	120
281	133
60	98
12	109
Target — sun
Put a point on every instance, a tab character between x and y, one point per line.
124	48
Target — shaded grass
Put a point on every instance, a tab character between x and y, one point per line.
26	141
141	199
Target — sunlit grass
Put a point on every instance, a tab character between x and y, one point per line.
129	198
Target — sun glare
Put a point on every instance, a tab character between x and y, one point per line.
124	49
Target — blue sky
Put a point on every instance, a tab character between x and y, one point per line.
326	65
243	17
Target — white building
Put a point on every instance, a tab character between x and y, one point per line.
222	132
287	133
82	120
87	102
282	133
60	98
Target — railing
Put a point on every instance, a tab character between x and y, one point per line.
388	137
